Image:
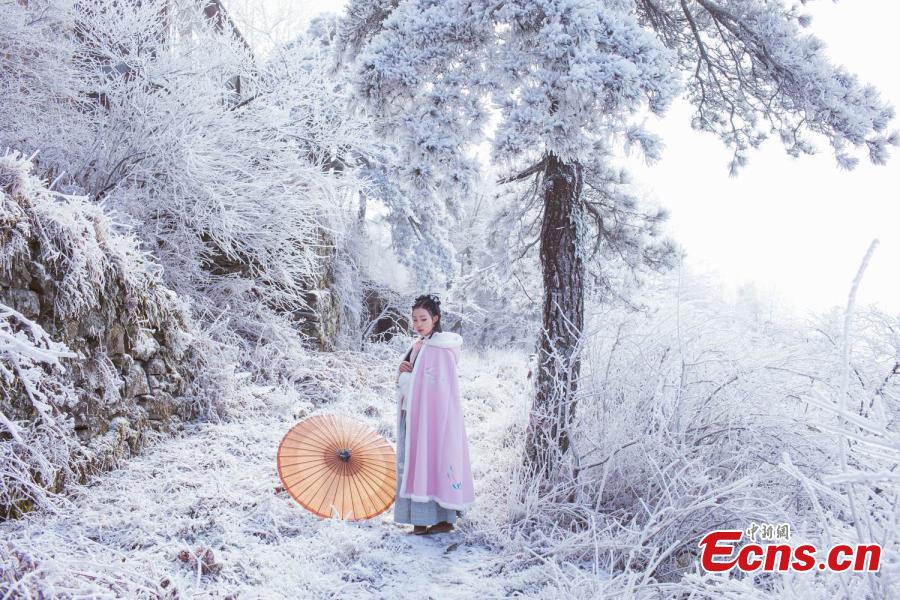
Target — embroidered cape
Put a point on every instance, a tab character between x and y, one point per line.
437	450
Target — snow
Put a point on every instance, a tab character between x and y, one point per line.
693	413
718	404
213	487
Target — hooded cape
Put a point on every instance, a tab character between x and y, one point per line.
437	450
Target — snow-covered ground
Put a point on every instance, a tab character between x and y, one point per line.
131	532
677	453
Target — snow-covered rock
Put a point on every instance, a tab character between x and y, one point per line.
82	323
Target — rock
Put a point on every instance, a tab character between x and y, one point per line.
119	422
158	407
136	383
70	329
156	366
41	281
115	340
145	346
93	326
25	301
123	380
176	383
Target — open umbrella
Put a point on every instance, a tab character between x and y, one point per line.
337	466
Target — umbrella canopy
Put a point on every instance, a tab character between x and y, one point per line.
337	466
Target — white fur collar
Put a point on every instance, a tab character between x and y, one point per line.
444	339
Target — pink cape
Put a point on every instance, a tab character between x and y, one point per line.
437	449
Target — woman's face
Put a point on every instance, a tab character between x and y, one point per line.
422	321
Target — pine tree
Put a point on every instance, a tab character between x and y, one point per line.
567	79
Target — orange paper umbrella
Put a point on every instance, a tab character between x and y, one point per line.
337	466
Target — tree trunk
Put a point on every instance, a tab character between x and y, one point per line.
553	407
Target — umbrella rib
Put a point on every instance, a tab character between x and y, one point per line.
313	444
379	439
364	448
354	477
362	493
362	480
374	493
369	456
365	475
319	434
319	472
309	472
343	485
328	422
303	444
370	450
306	480
364	437
349	431
302	453
302	492
325	431
370	464
333	424
311	461
356	498
324	436
357	508
287	460
338	478
328	487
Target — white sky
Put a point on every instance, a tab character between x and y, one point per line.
797	228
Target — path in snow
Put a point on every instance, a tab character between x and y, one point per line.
214	487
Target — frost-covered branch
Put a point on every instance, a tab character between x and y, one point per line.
754	72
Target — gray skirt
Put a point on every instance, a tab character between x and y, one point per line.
407	510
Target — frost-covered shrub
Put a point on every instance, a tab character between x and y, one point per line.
229	169
96	355
33	454
698	413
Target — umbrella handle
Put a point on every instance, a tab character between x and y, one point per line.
344	454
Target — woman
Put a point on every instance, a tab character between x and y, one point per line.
434	477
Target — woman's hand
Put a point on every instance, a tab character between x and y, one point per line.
405	366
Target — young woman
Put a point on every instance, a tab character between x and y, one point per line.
434	477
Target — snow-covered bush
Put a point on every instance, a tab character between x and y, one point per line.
96	356
33	455
698	414
228	168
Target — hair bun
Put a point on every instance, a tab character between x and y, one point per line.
428	299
